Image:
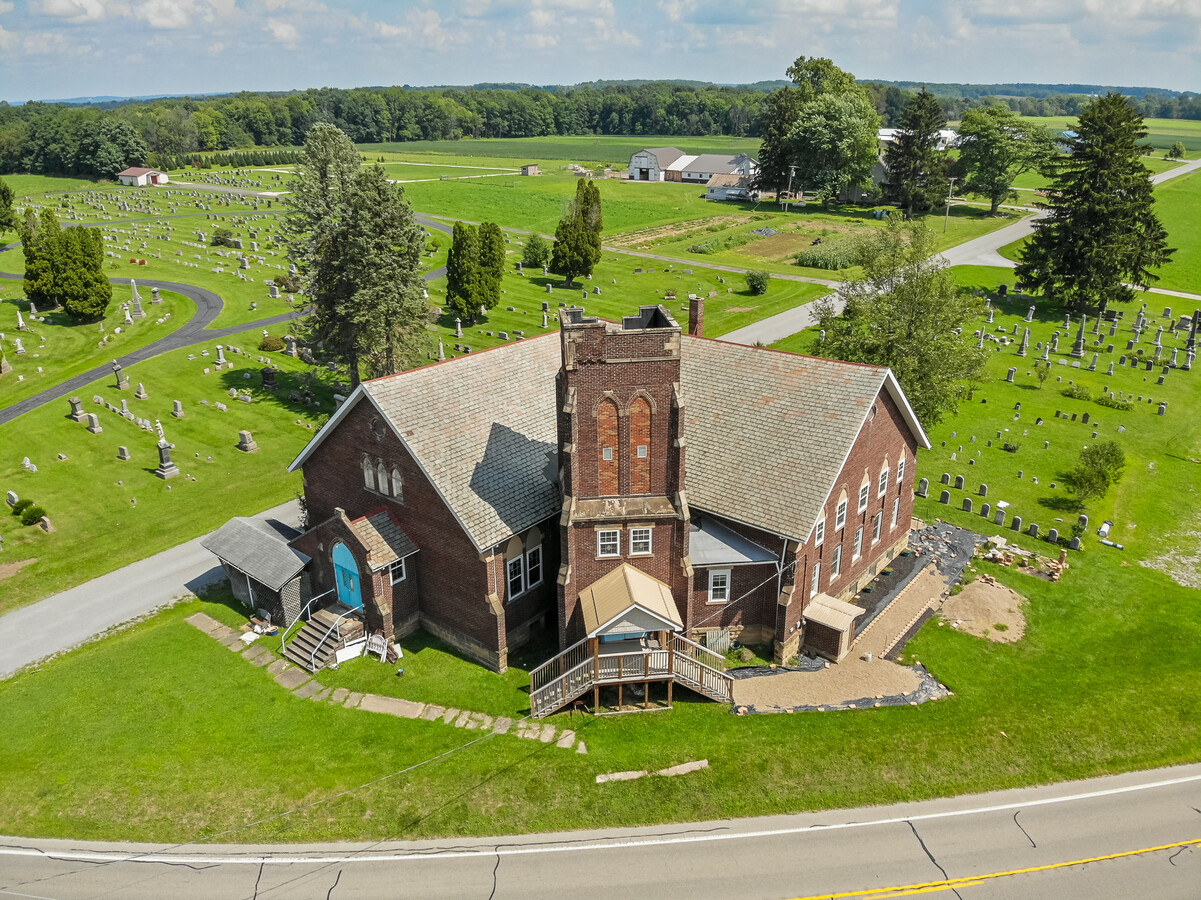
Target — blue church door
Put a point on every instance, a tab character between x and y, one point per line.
346	576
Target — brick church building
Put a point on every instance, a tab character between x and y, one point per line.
625	481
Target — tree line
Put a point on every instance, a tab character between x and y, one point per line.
55	139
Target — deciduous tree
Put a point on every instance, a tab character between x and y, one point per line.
995	147
1100	231
904	313
8	217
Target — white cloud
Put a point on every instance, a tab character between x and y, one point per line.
79	10
5	6
8	40
283	32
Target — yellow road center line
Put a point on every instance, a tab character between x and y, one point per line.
927	887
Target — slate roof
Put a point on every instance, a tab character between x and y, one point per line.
258	548
482	427
767	433
382	538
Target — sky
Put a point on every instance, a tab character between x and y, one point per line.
52	49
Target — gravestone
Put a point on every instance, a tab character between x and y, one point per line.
999	517
967	504
959	482
140	393
1032	530
123	453
983	489
166	468
177	409
77	414
944	497
155	296
985	509
1010	375
94	423
246	442
1053	536
1163	408
122	378
923	487
946	477
1074	543
12	498
1016	524
269	382
290	345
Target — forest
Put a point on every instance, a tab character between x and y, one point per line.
86	141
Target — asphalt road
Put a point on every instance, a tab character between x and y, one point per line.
1122	836
74	616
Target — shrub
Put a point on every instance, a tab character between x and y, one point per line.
32	515
537	252
757	281
289	284
20	506
1111	403
271	343
1077	392
222	237
718	244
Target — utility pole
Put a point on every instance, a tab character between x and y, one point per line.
947	217
791	172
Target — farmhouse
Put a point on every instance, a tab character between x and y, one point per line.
135	177
673	164
626	489
729	187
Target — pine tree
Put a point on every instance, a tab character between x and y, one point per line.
491	269
40	242
1100	231
462	272
577	247
917	178
537	252
8	217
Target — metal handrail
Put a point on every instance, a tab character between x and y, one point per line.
313	656
284	637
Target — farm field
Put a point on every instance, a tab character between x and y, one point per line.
1178	204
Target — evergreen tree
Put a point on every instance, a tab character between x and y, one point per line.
995	147
1100	231
537	252
40	242
916	167
491	269
353	237
8	217
577	247
99	291
462	272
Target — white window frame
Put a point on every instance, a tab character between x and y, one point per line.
643	451
819	532
724	589
398	566
864	492
607	454
836	564
840	515
634	539
615	540
535	554
896	509
882	488
381	477
815	579
877	527
397	484
518	561
368	474
900	471
858	552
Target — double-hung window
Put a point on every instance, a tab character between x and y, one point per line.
608	542
863	492
840	515
896	509
533	567
719	585
900	472
819	533
877	525
814	578
516	570
640	541
883	483
858	543
398	571
836	563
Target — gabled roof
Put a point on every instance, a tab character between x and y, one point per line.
614	595
382	538
138	171
767	433
832	612
716	162
730	180
482	427
664	156
258	548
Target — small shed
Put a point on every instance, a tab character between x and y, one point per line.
529	169
138	177
830	625
264	571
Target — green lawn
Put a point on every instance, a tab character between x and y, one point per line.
90	495
1178	203
30	185
71	348
1161	133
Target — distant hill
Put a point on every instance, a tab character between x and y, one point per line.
972	91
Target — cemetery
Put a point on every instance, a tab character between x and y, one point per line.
170	448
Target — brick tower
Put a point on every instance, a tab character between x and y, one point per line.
621	456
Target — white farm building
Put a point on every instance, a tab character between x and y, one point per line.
136	177
673	164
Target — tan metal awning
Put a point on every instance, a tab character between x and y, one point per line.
833	613
626	590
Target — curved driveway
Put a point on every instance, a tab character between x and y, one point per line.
1122	836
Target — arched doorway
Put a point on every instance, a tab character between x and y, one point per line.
346	576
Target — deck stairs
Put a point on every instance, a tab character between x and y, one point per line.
575	671
326	632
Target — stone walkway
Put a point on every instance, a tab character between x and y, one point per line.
302	684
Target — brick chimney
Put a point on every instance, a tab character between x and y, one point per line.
696	315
